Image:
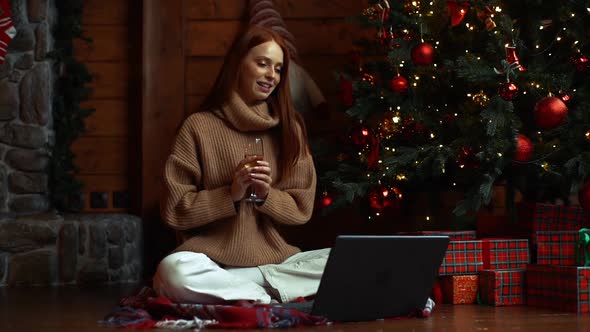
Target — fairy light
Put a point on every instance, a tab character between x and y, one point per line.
587	134
427	218
558	38
545	166
541	27
431	135
454	184
500	154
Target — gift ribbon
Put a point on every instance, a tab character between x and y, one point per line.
583	245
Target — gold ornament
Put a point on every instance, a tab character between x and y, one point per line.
412	7
481	99
389	125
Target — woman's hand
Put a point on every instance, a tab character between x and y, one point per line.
261	178
251	171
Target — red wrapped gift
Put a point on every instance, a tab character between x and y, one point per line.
505	253
565	288
548	217
459	289
453	235
557	247
462	257
502	287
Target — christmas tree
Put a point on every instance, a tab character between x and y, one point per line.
462	95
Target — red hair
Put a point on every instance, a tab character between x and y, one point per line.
293	144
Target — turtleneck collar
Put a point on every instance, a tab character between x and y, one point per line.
247	118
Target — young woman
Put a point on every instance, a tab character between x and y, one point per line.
232	249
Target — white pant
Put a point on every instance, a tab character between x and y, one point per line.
189	277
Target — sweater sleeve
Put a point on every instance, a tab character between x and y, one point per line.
291	201
183	205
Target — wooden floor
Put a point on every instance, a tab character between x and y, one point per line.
74	309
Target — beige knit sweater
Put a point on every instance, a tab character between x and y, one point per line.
198	176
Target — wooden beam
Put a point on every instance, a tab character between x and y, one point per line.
162	109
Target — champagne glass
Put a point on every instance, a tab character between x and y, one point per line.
254	148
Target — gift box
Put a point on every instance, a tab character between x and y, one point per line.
462	257
459	289
505	253
549	217
453	235
565	288
502	287
557	247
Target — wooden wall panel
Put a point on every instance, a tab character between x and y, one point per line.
110	80
102	152
101	155
312	36
303	9
110	118
106	12
109	43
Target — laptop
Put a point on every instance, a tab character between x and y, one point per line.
371	277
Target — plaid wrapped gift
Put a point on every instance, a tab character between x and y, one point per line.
459	289
564	288
462	257
557	247
505	253
453	235
502	287
548	217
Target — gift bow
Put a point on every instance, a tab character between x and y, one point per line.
583	245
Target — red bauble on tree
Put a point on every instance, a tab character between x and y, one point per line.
399	84
584	197
326	199
457	11
382	197
508	91
550	112
362	136
524	148
581	62
423	54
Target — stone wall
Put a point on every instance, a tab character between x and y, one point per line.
39	247
50	249
25	109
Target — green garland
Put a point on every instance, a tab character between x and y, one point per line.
68	116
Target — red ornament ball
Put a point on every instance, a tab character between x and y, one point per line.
362	137
524	148
423	54
584	196
382	197
508	91
326	199
399	84
550	112
581	62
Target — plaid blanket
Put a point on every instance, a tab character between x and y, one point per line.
146	310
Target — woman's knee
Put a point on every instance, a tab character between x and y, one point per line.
174	269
